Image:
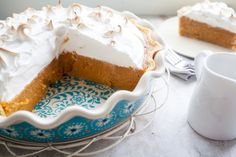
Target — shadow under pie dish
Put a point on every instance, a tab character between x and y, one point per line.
110	62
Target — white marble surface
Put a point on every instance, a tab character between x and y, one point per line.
169	135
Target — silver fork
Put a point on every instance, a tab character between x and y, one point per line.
174	59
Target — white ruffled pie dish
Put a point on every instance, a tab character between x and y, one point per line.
96	108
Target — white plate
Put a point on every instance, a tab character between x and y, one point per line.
169	31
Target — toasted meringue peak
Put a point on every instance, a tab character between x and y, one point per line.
110	13
2	50
81	25
118	29
111	33
66	39
2	62
50	25
112	43
11	30
76	7
107	10
126	19
49	9
34	17
96	15
4	37
21	31
75	20
99	7
31	20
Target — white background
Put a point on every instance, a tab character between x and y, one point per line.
140	7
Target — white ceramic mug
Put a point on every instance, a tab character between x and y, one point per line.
212	110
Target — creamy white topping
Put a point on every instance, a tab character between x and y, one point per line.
216	14
29	41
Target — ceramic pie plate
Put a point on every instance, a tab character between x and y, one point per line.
76	109
169	31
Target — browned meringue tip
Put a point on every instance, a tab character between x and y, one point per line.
50	25
96	15
21	31
7	51
31	20
99	7
2	50
76	6
2	62
119	29
112	43
75	20
111	33
66	39
109	11
81	25
126	19
4	38
34	17
49	9
12	28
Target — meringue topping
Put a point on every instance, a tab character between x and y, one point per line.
216	14
100	33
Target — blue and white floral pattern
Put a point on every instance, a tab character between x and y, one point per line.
73	130
102	123
73	91
12	132
38	135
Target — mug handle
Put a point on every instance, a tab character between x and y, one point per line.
199	62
